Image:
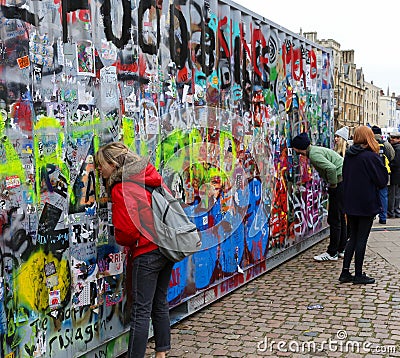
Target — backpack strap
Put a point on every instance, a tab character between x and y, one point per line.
160	190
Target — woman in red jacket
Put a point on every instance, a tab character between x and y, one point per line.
132	217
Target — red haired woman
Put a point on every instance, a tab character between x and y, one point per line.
363	176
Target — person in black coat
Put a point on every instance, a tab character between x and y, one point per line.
364	175
394	186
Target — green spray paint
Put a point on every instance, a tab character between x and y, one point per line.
128	132
227	136
172	150
12	164
49	126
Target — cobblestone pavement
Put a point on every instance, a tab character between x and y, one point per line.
270	314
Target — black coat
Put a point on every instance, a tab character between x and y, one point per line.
395	165
363	175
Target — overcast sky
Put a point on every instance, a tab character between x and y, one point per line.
372	30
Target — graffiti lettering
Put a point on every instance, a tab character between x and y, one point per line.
178	38
13	12
106	11
69	6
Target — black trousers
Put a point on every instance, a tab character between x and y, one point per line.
336	221
393	200
360	229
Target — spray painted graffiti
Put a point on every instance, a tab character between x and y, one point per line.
211	93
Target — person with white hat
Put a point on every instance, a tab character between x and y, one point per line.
341	138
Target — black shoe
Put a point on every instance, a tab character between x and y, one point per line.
383	222
363	280
346	277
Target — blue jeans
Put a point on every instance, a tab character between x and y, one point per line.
151	274
383	193
360	229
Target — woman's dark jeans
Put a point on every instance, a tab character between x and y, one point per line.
357	244
151	274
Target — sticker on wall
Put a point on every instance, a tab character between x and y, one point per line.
41	50
108	52
85	58
83	262
109	88
23	62
116	265
52	281
50	268
113	296
54	299
13	182
68	94
81	295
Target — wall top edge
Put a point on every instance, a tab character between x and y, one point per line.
274	24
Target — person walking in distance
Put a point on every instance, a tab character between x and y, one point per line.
394	186
328	164
386	153
364	174
126	174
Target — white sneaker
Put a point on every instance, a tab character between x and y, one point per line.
325	257
341	254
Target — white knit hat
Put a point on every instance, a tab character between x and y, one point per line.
343	132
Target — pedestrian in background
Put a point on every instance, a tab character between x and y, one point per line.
394	185
341	145
329	165
341	138
386	152
132	217
364	175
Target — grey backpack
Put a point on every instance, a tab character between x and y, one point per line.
177	235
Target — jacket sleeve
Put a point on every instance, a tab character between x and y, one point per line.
377	171
389	150
327	167
123	220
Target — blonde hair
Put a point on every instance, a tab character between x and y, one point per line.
115	153
340	146
364	136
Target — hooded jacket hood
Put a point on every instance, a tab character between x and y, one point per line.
355	149
140	171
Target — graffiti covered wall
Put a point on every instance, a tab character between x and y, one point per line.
211	92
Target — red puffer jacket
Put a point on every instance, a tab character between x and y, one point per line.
132	215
